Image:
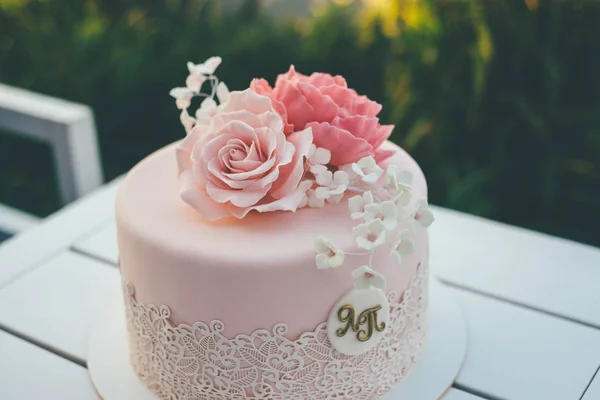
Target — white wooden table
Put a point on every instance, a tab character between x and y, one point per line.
532	302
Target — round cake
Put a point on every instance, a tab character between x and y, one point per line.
309	282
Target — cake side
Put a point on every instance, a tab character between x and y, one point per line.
199	362
251	273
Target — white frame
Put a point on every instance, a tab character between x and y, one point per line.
68	127
13	220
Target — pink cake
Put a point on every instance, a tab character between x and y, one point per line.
278	251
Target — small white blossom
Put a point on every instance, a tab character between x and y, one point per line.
399	184
208	108
402	212
365	277
403	246
317	158
422	216
318	155
386	211
183	97
370	234
208	105
208	67
335	198
328	256
368	170
347	168
332	186
194	82
222	93
310	199
304	200
357	204
318	169
199	74
186	120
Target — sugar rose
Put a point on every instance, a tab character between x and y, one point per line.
241	160
341	120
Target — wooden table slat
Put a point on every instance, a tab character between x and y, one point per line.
26	250
101	244
593	391
456	394
29	372
58	304
519	354
526	267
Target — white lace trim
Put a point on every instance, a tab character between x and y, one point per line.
198	363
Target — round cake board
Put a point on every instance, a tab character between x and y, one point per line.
432	375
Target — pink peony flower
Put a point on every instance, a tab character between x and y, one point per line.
341	120
241	160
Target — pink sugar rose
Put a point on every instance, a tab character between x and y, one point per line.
241	160
341	120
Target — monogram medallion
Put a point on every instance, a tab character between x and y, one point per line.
358	320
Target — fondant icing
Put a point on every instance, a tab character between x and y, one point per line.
250	273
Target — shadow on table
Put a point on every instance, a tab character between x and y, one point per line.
4	236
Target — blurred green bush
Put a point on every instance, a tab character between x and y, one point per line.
497	100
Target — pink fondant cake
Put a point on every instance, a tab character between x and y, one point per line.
278	251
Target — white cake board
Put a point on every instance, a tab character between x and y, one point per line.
433	374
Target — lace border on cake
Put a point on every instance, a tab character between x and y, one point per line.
198	362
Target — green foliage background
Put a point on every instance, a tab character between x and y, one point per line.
498	100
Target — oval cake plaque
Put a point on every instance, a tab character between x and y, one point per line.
358	320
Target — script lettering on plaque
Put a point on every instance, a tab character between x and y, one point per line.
364	325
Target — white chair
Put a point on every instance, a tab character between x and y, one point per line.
69	129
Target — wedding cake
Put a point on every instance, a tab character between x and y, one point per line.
279	250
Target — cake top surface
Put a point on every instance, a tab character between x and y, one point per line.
149	202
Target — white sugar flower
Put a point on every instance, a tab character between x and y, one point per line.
313	200
332	186
328	256
357	204
367	169
194	82
318	169
317	159
399	184
186	120
370	234
310	199
304	201
199	73
386	211
403	246
422	215
222	93
208	67
208	108
336	198
347	168
183	97
318	155
365	277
